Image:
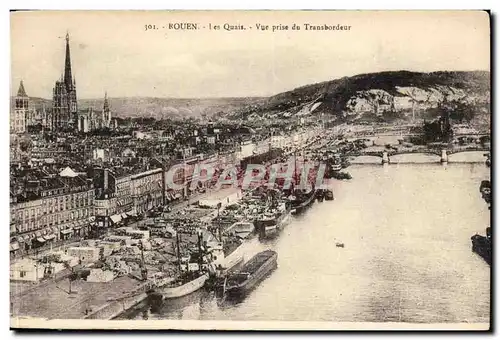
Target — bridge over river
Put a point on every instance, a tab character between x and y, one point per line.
383	155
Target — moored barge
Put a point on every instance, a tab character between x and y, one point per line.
254	271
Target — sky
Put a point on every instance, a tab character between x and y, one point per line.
111	51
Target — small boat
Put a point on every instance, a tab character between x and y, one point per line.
481	245
485	190
484	185
341	175
329	195
252	272
488	159
302	201
320	195
183	285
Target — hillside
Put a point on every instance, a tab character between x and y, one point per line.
170	107
376	93
379	96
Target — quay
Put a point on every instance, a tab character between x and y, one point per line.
87	299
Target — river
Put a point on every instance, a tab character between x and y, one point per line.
407	255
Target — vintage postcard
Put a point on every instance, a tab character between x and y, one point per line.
250	170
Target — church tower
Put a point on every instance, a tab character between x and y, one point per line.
106	112
65	108
45	118
21	107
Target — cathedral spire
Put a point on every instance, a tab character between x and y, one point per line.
68	78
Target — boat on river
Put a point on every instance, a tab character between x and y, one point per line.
481	245
341	175
485	190
252	272
302	200
193	275
488	159
320	195
329	195
273	221
185	284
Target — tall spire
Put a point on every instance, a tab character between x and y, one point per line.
68	78
106	104
21	92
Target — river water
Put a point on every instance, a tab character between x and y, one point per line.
407	256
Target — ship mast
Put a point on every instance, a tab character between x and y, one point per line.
200	253
218	223
144	270
177	237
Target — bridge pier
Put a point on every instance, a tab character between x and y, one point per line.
385	158
444	156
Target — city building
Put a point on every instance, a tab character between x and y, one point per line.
113	201
147	190
49	207
27	270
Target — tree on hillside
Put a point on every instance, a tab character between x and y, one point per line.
458	110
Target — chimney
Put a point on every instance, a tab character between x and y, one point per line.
106	179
